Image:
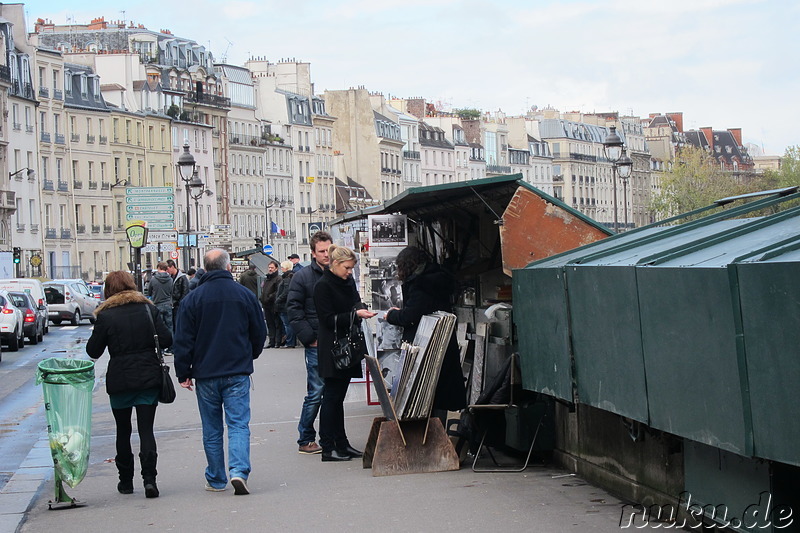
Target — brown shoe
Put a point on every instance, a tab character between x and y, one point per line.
311	448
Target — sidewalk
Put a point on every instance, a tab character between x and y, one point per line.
293	492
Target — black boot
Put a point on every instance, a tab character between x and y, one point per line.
148	460
125	468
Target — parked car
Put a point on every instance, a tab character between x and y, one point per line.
97	290
35	289
11	323
69	299
32	321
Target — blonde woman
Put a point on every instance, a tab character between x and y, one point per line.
336	298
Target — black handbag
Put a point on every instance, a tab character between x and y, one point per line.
348	350
166	393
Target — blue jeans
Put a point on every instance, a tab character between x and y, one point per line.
291	341
311	402
231	394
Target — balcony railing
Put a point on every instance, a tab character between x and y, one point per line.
105	186
34	228
66	233
208	99
411	155
50	233
45	137
60	138
81	228
583	157
498	169
20	228
63	186
5	73
58	94
28	128
92	184
74	137
77	184
47	184
95	228
103	139
17	126
107	228
90	138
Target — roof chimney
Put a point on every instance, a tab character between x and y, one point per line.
709	135
737	134
678	119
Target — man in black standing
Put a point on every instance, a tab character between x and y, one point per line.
180	287
268	291
303	318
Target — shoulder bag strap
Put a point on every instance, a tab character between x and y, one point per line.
155	333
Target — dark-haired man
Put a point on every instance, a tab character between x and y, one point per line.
303	318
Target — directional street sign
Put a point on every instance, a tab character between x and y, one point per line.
161	236
155	205
165	247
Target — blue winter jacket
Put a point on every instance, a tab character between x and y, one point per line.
220	329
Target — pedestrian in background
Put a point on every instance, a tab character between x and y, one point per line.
295	259
196	279
249	279
160	293
281	296
133	378
303	318
180	287
220	332
268	290
338	303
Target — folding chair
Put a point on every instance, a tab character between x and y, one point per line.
498	398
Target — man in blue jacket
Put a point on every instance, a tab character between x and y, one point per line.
303	318
220	331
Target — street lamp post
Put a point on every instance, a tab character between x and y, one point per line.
187	172
198	189
624	167
612	146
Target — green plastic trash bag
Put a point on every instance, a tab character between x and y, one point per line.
67	389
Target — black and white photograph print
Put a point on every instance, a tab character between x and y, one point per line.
388	230
386	293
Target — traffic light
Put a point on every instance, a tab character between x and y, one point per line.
17	255
259	242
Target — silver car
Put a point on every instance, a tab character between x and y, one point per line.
12	329
69	299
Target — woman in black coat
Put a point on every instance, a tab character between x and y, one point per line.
133	378
428	288
336	299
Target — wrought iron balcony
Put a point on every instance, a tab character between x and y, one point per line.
95	228
20	228
63	186
74	137
81	228
208	99
47	184
107	228
77	184
58	94
103	139
90	138
50	233
34	228
66	233
45	137
411	155
60	138
92	184
5	73
105	186
17	126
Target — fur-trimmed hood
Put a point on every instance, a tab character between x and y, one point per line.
122	298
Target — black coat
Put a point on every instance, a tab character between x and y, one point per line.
335	299
282	294
300	303
423	294
125	330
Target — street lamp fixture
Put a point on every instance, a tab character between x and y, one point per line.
120	183
187	170
624	167
197	190
30	173
612	146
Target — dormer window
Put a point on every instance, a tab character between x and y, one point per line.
68	82
96	88
84	85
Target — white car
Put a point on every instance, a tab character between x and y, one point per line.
12	326
69	299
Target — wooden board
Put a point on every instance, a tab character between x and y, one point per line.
391	457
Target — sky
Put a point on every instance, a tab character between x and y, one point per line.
723	63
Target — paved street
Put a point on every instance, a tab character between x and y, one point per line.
290	492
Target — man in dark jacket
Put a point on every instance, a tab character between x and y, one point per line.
295	259
220	331
180	286
160	293
268	291
249	279
303	318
